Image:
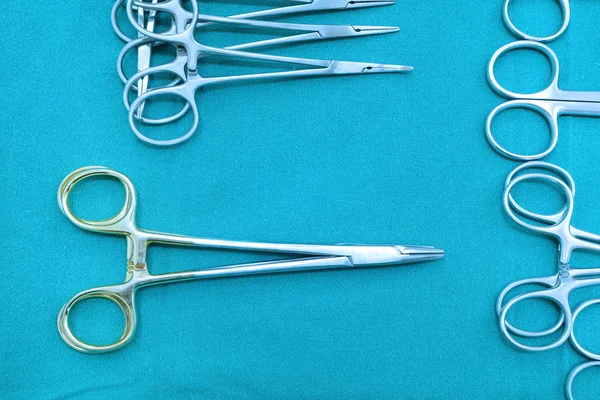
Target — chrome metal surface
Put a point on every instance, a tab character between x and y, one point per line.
551	102
190	52
299	8
311	257
558	287
573	374
566	19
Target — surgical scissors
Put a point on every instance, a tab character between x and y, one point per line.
296	7
550	102
312	257
566	18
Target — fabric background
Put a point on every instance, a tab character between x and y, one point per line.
377	159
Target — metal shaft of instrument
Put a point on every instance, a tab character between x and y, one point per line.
271	267
144	54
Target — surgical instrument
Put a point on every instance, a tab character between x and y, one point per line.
573	374
550	102
559	286
295	7
311	33
311	257
144	53
192	83
570	238
183	38
566	18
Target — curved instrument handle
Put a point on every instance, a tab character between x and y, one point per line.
569	238
574	342
175	68
556	295
114	21
122	223
142	41
551	92
184	91
181	30
566	18
548	281
559	229
122	296
135	43
574	372
568	179
547	109
115	24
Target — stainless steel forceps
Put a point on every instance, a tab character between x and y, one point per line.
293	7
185	67
558	287
144	49
312	257
567	278
193	82
311	33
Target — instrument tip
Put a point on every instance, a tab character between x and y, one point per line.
374	30
420	253
383	68
369	3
